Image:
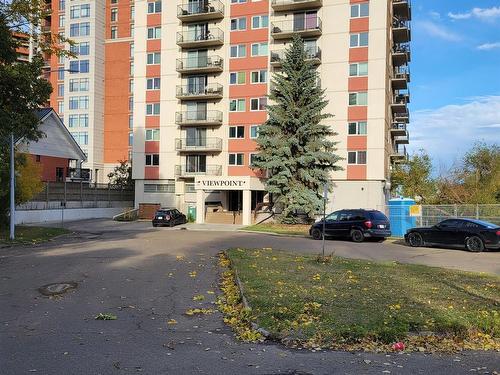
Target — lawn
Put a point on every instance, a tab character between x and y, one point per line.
28	234
354	302
295	229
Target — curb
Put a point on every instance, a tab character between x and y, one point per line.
274	234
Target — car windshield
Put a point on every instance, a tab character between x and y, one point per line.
485	224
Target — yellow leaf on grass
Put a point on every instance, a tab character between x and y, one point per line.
172	321
192	273
199	297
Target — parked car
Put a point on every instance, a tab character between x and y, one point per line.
357	224
475	235
168	216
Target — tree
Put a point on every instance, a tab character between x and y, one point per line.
28	182
413	179
121	175
295	148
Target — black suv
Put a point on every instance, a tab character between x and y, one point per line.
168	216
356	224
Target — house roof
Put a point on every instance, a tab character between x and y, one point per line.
42	112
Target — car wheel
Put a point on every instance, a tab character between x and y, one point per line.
357	235
317	234
171	223
154	225
474	244
415	239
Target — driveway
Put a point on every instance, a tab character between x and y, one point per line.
145	276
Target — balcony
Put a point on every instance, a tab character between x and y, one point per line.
198	144
401	9
196	39
292	5
307	28
399	103
401	117
398	129
400	155
202	10
401	54
312	54
195	92
210	64
401	31
78	174
400	78
185	171
194	118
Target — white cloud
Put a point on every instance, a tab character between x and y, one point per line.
488	46
484	14
447	132
438	31
435	15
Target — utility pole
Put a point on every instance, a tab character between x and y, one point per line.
12	189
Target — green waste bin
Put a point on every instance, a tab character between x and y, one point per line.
191	213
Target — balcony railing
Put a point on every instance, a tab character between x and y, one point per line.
285	5
313	54
401	31
401	54
198	118
198	144
207	64
200	10
399	155
402	9
195	38
400	78
398	129
78	174
305	27
191	171
191	92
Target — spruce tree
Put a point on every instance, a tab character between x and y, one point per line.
295	148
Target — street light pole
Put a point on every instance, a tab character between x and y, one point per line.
12	189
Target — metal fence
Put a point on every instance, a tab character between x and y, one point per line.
79	195
433	214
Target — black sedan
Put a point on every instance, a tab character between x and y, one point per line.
475	235
169	217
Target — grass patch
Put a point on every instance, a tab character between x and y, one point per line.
30	235
295	229
356	304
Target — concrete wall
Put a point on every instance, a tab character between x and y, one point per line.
44	216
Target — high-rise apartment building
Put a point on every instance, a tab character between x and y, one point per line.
191	79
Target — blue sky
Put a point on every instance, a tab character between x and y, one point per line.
455	77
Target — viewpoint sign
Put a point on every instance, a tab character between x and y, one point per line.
228	183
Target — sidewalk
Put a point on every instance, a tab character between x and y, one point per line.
210	227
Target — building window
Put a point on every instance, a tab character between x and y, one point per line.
238	24
60	90
254	131
238	1
153	58
169	187
357	128
360	10
132	13
358	69
130	139
75	121
359	40
259	76
237	105
60	107
356	157
79	29
84	66
114	1
153	84
152	134
82	138
130	85
131	50
114	14
152	109
154	7
61	20
131	68
130	121
114	32
236	132
62	5
131	104
238	50
78	84
131	30
152	159
79	66
259	49
252	159
154	32
260	22
258	104
236	159
358	98
38	158
60	74
81	49
237	78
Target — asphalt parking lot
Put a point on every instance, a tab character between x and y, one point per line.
144	276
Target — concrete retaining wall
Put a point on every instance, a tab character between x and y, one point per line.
44	216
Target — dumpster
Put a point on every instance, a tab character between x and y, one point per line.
399	216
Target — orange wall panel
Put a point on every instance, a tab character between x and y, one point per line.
154	19
152	121
356	142
250	8
359	25
152	96
241	170
358	54
358	84
151	147
248	63
257	117
248	90
249	35
151	173
358	113
152	70
356	172
153	45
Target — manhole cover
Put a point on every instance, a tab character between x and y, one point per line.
57	288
